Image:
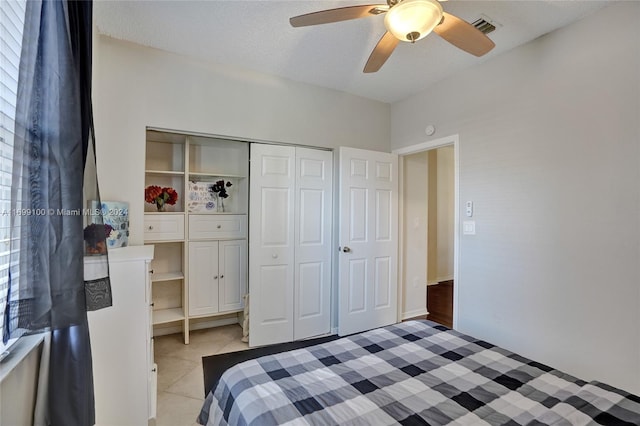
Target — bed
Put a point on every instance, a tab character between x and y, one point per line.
412	373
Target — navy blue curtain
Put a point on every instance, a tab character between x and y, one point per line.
53	157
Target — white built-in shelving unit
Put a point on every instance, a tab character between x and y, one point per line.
200	263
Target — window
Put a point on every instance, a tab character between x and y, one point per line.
12	14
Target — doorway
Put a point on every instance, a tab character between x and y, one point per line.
429	230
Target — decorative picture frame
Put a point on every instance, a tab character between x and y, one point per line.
116	215
200	198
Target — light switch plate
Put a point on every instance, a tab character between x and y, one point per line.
469	227
469	206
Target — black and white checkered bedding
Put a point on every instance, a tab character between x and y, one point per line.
413	373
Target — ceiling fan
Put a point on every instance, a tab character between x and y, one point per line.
405	20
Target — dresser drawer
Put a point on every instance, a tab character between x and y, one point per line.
163	227
207	226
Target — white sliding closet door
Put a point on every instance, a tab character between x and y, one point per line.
313	204
289	243
271	244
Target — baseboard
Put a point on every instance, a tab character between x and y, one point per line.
414	313
173	329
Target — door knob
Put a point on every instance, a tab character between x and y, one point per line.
346	249
274	255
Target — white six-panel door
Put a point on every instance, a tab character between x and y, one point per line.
312	281
290	243
271	244
368	240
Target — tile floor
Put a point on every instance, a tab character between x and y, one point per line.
180	377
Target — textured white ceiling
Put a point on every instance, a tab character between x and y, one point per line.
256	35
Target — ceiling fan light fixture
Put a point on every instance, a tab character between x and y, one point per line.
411	20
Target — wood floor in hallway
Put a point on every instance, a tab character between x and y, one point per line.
440	303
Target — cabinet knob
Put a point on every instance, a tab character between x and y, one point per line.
150	227
219	226
274	255
152	304
215	277
153	370
221	276
151	271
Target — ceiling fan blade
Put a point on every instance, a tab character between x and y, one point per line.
339	14
463	35
381	53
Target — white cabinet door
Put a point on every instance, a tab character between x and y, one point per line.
369	240
312	288
271	244
203	278
232	266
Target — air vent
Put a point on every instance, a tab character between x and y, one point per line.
484	25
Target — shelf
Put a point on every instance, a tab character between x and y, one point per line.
155	212
216	213
161	241
164	172
233	311
162	316
208	175
166	276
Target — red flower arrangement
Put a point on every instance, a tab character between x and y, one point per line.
153	194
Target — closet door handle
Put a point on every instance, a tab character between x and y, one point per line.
346	249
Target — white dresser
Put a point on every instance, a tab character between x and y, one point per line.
125	377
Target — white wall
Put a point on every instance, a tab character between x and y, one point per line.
18	388
444	213
549	152
414	259
136	87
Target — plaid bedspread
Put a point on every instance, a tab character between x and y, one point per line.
413	373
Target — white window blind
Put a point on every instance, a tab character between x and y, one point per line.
12	14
